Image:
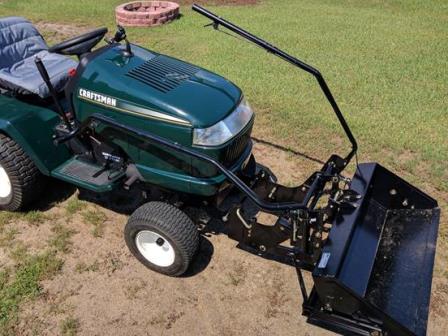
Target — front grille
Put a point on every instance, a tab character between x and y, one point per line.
234	151
163	73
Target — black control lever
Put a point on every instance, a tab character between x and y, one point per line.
119	36
44	74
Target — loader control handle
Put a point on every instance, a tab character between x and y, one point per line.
217	21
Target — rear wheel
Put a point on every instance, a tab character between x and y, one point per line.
162	237
20	180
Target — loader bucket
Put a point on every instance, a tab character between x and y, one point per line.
376	268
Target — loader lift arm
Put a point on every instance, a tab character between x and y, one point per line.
217	21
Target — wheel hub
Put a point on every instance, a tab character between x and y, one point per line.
160	241
155	248
5	183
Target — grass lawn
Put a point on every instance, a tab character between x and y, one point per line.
385	61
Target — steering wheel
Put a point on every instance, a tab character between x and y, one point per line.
79	45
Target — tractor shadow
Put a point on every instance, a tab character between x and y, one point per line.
121	201
205	252
53	193
202	258
288	150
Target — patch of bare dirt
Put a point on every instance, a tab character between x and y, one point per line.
108	292
58	31
438	324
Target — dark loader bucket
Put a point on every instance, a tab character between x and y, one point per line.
375	272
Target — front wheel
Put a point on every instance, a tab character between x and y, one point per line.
162	237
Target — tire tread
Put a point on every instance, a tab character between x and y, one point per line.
172	221
26	179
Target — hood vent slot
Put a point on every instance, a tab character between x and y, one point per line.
163	73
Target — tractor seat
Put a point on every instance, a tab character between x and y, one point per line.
20	44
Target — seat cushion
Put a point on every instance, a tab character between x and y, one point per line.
20	43
24	78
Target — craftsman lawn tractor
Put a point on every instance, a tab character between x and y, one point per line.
124	119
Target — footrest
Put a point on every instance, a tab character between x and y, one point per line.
87	175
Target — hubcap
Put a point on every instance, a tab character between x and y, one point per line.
155	248
5	183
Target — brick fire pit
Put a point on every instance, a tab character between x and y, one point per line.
146	13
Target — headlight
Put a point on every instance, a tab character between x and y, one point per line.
224	130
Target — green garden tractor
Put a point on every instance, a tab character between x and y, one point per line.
126	119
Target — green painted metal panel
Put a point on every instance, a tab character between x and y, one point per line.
200	99
32	128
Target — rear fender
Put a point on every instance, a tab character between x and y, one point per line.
32	128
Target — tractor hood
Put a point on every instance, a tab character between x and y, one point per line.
154	86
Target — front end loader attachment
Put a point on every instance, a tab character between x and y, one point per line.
375	271
371	247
